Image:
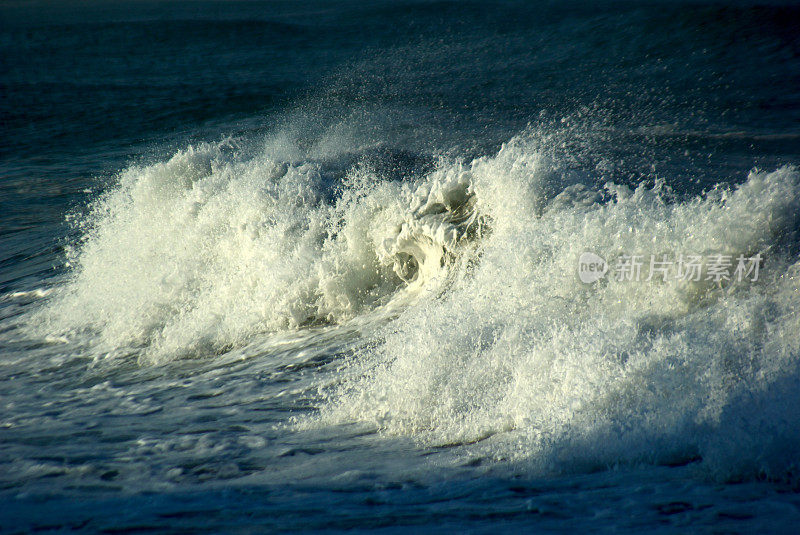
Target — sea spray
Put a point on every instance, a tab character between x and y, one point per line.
197	254
488	334
558	375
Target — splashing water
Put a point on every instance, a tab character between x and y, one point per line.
482	330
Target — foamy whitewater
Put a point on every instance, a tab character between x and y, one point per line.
353	300
477	327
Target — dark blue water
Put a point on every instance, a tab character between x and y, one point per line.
194	203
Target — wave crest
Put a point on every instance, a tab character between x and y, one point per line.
201	252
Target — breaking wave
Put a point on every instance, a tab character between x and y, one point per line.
469	270
199	253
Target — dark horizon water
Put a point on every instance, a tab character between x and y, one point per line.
313	266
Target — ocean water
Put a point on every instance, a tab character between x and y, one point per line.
322	266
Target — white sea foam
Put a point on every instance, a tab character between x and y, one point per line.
493	337
561	375
199	253
37	293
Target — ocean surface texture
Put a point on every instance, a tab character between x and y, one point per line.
412	266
